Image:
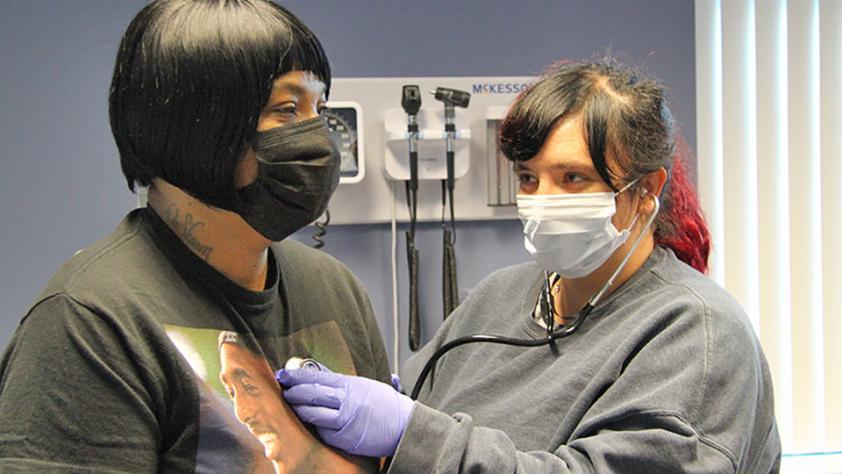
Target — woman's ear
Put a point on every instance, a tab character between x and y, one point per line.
652	183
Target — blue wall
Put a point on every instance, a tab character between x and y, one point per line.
60	183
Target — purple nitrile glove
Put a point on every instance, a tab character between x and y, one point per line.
355	414
396	383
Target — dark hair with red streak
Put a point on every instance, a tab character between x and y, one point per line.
625	117
688	234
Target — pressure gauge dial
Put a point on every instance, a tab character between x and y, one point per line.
344	119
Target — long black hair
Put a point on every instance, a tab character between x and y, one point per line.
625	116
190	80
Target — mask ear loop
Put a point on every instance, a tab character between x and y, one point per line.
633	222
643	192
627	186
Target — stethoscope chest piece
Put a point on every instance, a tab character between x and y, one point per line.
302	363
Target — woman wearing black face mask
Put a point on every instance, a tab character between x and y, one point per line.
658	369
215	107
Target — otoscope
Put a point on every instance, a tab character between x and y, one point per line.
451	98
411	102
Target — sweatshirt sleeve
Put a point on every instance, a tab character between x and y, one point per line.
71	397
686	393
650	442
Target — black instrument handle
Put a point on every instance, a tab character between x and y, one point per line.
454	282
450	294
414	321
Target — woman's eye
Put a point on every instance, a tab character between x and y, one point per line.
287	109
527	182
574	178
525	179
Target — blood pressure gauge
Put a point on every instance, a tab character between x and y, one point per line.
345	121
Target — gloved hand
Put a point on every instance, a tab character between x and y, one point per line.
355	414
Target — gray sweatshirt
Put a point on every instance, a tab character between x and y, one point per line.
666	375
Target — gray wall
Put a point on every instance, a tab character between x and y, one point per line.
60	183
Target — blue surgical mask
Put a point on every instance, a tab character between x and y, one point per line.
571	234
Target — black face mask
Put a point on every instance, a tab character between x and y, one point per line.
298	171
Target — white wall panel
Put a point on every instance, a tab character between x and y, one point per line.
805	229
773	204
830	97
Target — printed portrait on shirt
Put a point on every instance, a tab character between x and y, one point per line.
250	384
243	413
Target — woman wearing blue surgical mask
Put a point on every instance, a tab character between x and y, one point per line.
655	367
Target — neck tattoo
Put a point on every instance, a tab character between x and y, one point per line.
184	228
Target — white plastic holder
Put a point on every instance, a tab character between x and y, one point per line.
432	145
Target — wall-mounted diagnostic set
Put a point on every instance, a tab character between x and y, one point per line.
428	142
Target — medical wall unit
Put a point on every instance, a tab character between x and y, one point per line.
485	185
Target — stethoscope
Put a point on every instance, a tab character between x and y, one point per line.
547	309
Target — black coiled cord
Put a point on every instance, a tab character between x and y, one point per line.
321	230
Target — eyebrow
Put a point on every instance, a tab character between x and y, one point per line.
238	374
560	165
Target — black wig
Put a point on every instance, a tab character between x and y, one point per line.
189	83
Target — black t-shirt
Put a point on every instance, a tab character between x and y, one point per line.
140	357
